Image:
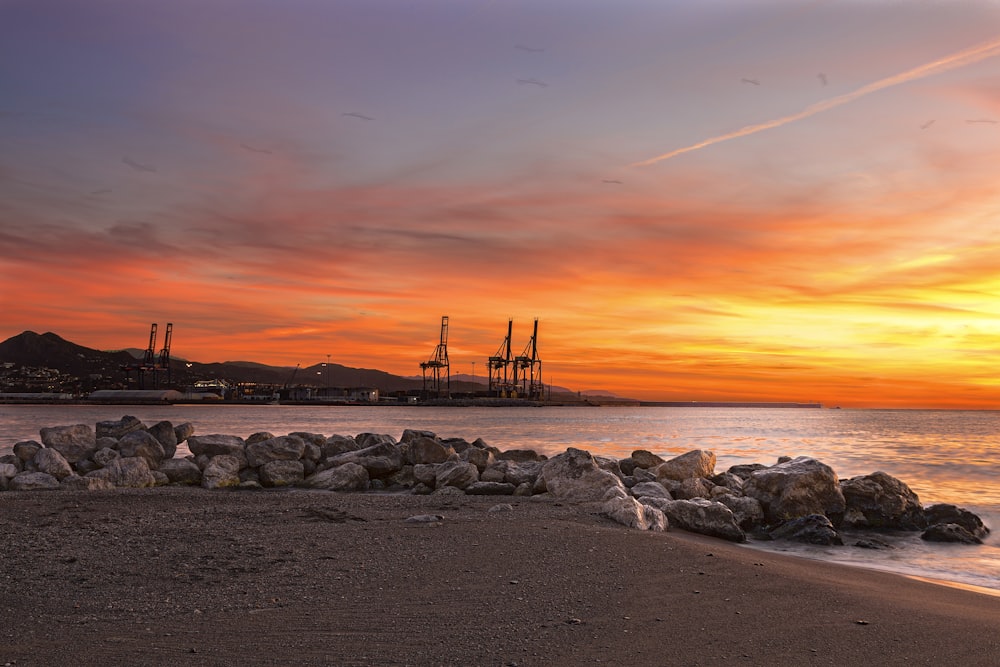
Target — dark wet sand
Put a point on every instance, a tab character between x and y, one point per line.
190	577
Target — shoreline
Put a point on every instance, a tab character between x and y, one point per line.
292	576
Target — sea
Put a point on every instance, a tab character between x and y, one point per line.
945	456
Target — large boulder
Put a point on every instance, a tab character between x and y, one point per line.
747	511
33	481
142	444
183	431
50	461
422	449
646	459
575	475
166	435
699	515
105	455
798	487
949	532
630	512
945	513
520	455
181	471
281	472
654	489
280	448
380	460
458	474
479	457
696	463
345	478
810	529
217	445
26	449
222	472
881	501
116	429
132	472
73	442
338	444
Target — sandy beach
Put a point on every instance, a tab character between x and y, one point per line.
172	576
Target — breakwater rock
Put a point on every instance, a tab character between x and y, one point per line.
795	499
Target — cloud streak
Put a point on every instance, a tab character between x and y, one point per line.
969	56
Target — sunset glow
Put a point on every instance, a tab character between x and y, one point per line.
727	200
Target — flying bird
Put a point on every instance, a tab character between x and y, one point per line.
355	114
533	82
983	120
611	180
753	81
139	166
528	49
822	78
255	150
927	124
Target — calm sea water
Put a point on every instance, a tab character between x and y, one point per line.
944	456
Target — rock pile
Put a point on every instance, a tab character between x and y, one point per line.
798	499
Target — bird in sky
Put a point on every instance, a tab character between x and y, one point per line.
255	150
927	124
822	78
528	49
533	82
752	81
138	166
610	180
355	114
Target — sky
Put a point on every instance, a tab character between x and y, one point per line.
785	200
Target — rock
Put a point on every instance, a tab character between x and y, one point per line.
948	532
78	483
501	507
338	444
520	455
699	515
104	456
427	450
73	442
696	463
132	472
728	480
159	478
83	466
747	511
744	470
181	471
365	440
881	501
799	487
810	529
458	474
33	481
259	436
645	459
345	478
630	512
947	513
412	434
575	475
166	435
481	458
425	518
694	487
281	473
281	448
872	543
50	461
217	445
653	489
222	471
8	470
116	429
512	472
490	489
183	431
380	460
317	439
26	450
426	473
461	444
144	445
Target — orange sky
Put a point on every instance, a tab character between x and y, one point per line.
690	209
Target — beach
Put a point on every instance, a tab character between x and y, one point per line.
190	576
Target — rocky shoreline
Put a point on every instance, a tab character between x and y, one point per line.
799	499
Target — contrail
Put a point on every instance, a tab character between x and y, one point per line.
962	58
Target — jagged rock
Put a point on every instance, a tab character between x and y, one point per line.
259	436
345	478
694	487
696	463
630	512
627	466
317	439
183	431
881	501
799	487
646	460
947	513
426	473
281	472
222	471
217	445
653	489
481	458
78	483
412	434
166	435
575	475
181	471
811	529
132	472
104	456
338	444
280	448
512	472
380	460
456	473
744	470
402	478
83	466
366	440
312	453
33	481
50	461
872	543
159	478
728	480
73	442
26	449
520	455
427	450
144	445
490	489
461	444
105	442
747	511
949	532
116	429
699	515
8	470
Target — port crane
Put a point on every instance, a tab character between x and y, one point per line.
437	363
528	367
151	362
499	367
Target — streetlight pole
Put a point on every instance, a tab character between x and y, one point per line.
328	371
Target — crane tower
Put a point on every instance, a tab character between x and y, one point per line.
437	363
499	367
528	369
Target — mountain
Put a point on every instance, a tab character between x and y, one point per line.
51	351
